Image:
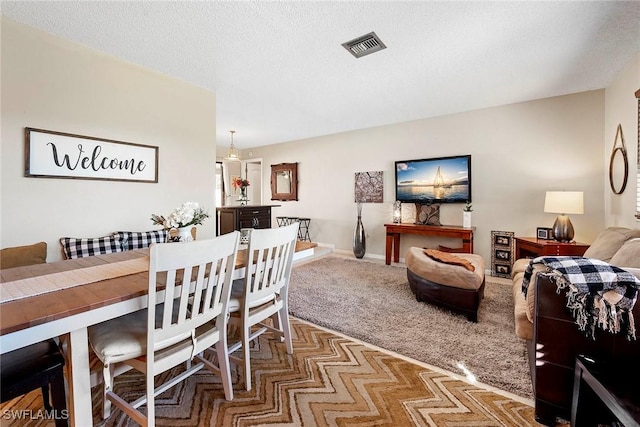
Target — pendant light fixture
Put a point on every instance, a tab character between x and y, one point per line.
232	155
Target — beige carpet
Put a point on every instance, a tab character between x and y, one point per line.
373	302
330	380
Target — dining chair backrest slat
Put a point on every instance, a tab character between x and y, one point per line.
271	251
195	277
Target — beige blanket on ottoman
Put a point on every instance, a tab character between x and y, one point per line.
444	273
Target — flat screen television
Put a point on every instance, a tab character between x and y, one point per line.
436	180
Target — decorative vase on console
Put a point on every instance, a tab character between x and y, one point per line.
397	212
466	215
242	184
243	196
359	239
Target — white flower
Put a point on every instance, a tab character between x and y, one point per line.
190	213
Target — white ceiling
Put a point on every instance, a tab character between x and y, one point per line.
280	73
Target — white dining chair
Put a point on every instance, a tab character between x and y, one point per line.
262	294
187	320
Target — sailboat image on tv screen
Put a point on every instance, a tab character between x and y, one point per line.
439	185
438	181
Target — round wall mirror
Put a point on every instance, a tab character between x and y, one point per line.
618	164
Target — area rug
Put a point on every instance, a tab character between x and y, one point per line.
330	380
373	302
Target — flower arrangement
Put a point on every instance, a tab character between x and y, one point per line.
240	183
468	207
190	213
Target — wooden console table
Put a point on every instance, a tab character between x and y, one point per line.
395	230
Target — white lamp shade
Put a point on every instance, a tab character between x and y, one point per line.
564	202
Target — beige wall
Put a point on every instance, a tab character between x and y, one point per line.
518	152
621	107
52	84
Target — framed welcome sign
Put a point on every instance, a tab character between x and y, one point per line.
51	154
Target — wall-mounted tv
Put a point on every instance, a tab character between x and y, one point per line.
436	180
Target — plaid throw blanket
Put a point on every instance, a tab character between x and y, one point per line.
598	294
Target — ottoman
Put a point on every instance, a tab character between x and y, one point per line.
447	284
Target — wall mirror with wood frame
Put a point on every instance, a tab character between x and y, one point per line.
284	181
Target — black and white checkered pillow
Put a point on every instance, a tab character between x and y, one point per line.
141	239
84	247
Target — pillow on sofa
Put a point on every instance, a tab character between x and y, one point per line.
19	256
628	255
141	239
80	248
609	241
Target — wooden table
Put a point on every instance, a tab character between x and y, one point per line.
530	247
394	231
69	312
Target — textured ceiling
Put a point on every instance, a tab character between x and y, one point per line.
280	73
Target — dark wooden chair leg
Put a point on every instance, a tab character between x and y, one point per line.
59	400
45	397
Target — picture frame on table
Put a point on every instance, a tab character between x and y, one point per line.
503	269
502	240
502	253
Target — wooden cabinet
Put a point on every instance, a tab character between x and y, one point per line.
237	217
530	247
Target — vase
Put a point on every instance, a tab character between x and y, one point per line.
359	238
184	234
466	219
243	196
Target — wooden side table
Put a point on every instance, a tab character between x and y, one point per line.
530	247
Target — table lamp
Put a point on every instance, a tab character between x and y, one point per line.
563	203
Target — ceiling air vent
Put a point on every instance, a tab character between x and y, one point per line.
364	45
